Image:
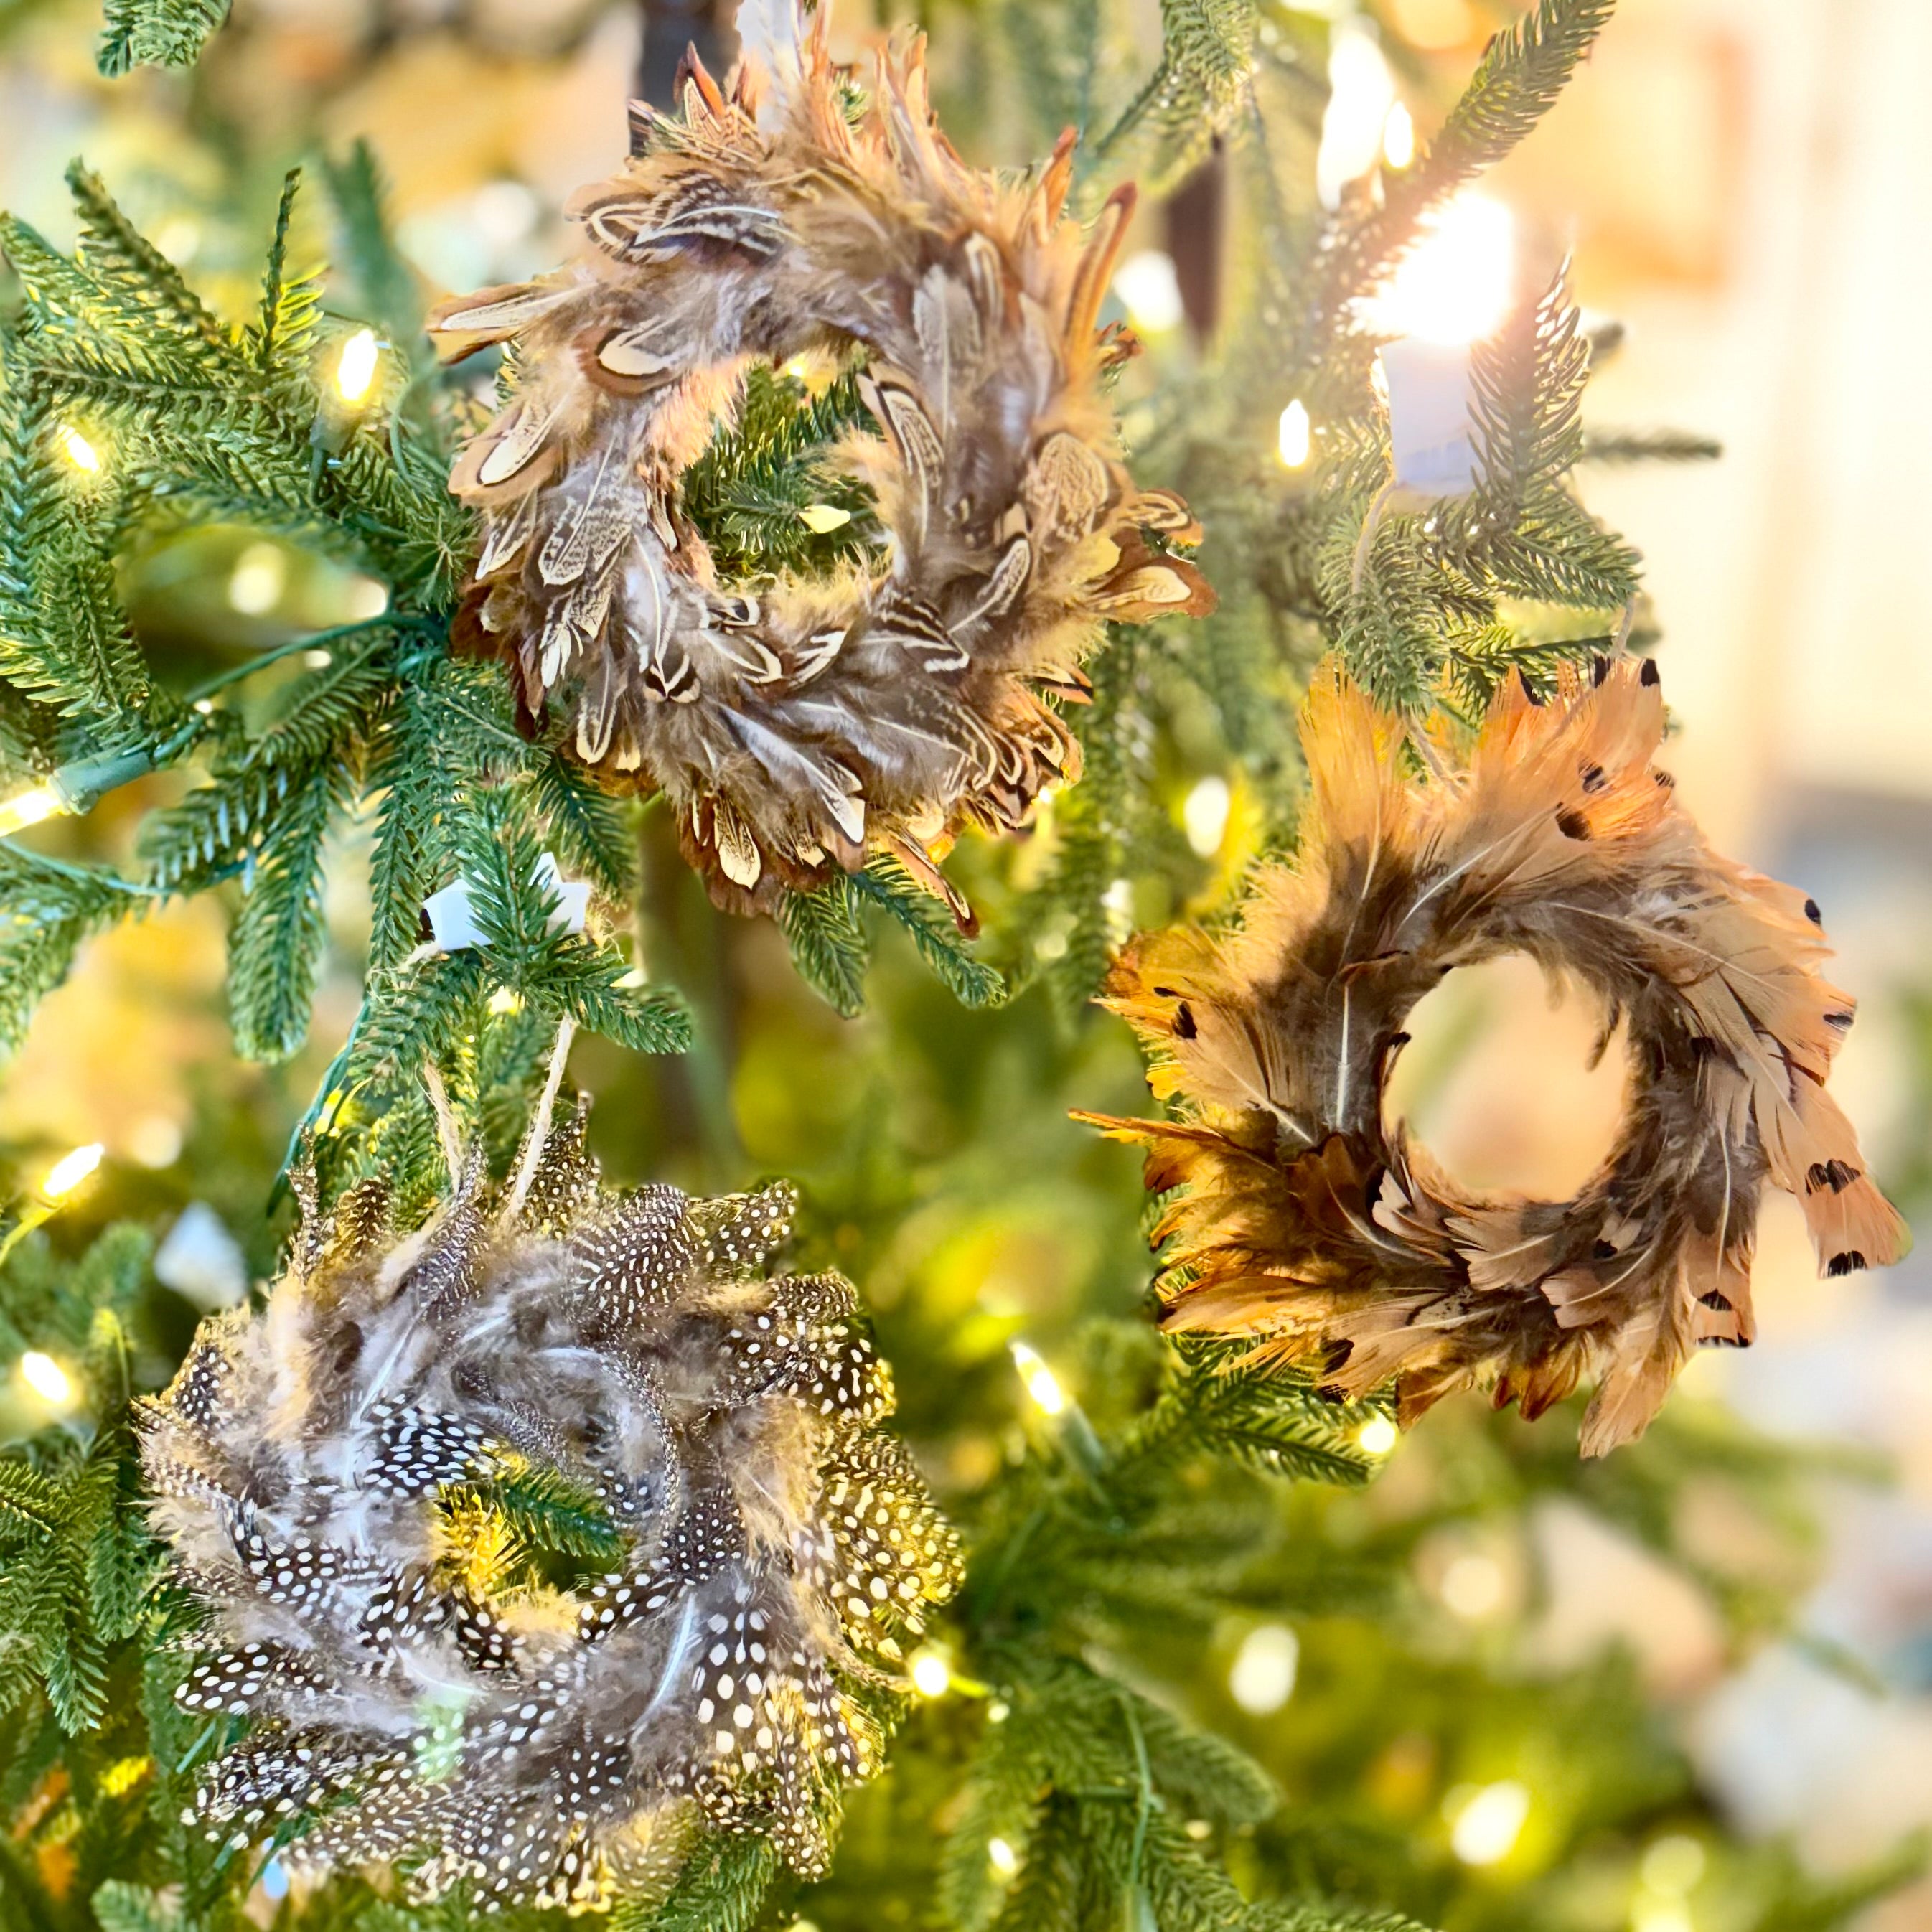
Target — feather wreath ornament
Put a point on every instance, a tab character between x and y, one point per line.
421	1690
1306	1224
795	725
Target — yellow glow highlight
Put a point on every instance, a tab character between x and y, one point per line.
504	1000
1295	436
29	808
46	1378
70	1170
1041	1383
355	368
1398	137
1488	1825
1673	1864
77	449
1002	1857
1378	1435
931	1675
1454	285
821	518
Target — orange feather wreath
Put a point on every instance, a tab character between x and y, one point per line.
1304	1223
798	724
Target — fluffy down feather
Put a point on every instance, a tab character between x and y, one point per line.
1303	1223
796	729
314	1466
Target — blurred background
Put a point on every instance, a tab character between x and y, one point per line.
1743	185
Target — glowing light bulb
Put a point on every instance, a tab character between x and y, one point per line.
255	585
931	1675
1041	1384
1454	285
29	808
70	1170
77	449
1262	1679
46	1378
1378	1435
1488	1825
1204	816
506	999
1474	1586
355	368
1149	286
1002	1857
1295	437
1398	137
820	518
1361	91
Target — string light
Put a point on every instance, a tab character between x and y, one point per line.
1204	816
1378	1435
77	449
1454	285
1262	1679
1398	137
1361	91
931	1675
822	518
70	1170
46	1378
1002	1857
1489	1822
1149	286
1295	438
506	999
29	808
1040	1382
355	368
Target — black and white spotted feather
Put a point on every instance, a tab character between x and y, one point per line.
415	1694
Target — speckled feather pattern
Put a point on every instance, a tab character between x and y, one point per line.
314	1466
799	724
1302	1222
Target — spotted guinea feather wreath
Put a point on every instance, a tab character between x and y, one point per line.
796	726
316	1467
1307	1225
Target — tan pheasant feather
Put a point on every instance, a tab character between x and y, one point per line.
1305	1223
798	725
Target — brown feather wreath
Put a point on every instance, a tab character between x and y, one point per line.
419	1694
1305	1224
795	728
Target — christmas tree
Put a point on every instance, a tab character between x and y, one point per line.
1114	1622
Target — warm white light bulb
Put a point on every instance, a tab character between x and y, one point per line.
1361	90
1149	286
1263	1677
46	1378
1204	816
77	449
1488	1825
1295	436
931	1675
1040	1381
70	1170
1378	1435
1002	1857
29	808
355	369
1398	137
823	518
506	999
1454	286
